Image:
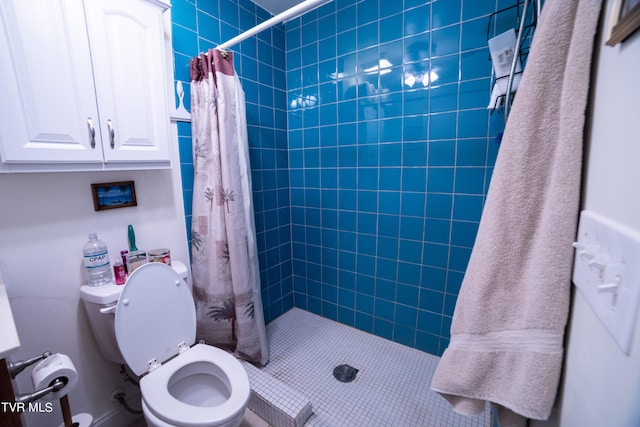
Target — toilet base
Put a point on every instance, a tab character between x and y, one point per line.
153	421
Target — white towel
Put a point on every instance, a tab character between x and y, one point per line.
509	321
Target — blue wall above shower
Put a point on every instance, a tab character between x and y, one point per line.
371	151
391	149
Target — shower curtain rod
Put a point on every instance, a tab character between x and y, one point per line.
293	12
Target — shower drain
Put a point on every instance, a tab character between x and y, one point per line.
345	373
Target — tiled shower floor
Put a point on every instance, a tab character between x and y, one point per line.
390	389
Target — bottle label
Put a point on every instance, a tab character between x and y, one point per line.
96	260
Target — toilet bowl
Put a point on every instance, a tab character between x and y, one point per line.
182	384
213	394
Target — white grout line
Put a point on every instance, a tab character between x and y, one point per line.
392	386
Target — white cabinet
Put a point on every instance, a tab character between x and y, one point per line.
83	85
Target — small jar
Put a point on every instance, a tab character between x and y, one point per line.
119	273
160	255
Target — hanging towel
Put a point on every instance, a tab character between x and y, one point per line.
508	326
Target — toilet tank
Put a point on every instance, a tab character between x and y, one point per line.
100	304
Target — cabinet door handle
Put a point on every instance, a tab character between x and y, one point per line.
112	134
92	132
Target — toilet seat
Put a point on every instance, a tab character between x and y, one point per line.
155	342
158	399
148	336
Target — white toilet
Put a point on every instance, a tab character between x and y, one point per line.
153	332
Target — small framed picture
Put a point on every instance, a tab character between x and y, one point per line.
625	20
112	195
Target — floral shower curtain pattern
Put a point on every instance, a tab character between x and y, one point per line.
224	260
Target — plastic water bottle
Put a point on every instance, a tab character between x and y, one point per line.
96	262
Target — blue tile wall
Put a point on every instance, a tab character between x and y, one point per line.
371	151
260	62
391	150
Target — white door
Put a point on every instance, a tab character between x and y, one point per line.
47	99
127	45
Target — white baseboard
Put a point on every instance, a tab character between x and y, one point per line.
119	416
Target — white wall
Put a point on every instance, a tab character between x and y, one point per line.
601	385
44	221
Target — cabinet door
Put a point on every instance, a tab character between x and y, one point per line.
46	89
128	55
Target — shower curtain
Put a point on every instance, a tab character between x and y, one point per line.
224	259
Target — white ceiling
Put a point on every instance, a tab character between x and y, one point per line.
276	6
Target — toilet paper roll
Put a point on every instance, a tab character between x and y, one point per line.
48	370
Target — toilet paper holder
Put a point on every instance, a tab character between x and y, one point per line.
16	367
56	385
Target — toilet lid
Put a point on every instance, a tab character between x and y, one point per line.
155	314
